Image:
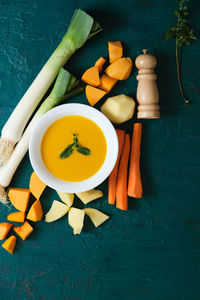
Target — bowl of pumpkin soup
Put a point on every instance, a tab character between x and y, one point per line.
73	148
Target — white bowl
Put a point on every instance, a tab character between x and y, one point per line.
41	127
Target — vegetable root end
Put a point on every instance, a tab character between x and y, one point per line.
6	149
3	196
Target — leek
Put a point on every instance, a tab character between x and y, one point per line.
81	28
64	88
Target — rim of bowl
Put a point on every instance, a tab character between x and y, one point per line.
66	110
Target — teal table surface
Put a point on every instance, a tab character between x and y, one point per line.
152	251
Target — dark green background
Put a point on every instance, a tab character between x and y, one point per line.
152	251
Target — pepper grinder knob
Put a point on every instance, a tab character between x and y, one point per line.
147	91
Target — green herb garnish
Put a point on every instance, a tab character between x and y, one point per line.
184	36
70	148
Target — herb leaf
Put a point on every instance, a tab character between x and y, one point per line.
67	152
83	150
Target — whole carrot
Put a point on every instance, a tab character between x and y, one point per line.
121	191
134	182
112	180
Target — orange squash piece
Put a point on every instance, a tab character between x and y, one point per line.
100	63
23	231
93	94
36	185
18	216
120	69
4	229
115	51
91	76
107	83
19	198
10	243
36	212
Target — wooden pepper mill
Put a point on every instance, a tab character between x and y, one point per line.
147	91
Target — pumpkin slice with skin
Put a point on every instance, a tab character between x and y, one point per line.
91	76
18	216
36	212
4	229
107	83
120	69
19	198
115	51
23	231
93	94
100	63
9	244
36	185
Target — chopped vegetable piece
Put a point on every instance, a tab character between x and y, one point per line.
120	69
90	195
115	51
76	219
121	192
118	109
107	83
100	63
91	76
19	198
67	198
135	183
9	244
93	94
82	27
36	185
96	216
112	180
4	229
23	231
36	212
57	211
18	216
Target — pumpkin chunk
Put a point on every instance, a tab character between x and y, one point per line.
100	63
18	216
93	94
36	185
4	229
120	69
107	83
19	198
9	244
36	212
91	76
115	51
23	231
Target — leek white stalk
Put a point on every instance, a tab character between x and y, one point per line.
81	28
65	87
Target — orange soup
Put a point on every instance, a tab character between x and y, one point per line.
77	166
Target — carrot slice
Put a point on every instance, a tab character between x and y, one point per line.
4	229
112	180
36	185
91	76
99	63
18	216
36	212
9	244
107	83
93	94
135	183
24	230
115	51
19	198
121	192
120	69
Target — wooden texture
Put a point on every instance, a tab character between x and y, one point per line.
150	252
